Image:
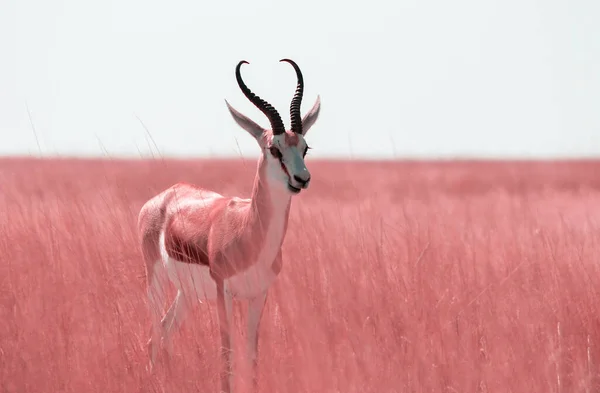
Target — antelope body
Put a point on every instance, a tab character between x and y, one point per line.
213	247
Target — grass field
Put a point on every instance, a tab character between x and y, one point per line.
398	277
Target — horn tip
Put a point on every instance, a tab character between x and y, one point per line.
287	61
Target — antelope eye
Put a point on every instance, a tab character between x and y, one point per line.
275	152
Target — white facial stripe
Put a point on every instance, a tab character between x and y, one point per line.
293	160
296	161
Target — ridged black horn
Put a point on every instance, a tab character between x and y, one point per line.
266	108
297	100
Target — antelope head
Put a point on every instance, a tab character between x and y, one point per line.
283	149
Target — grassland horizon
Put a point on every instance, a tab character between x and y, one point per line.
414	276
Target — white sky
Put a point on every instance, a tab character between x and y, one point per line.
407	78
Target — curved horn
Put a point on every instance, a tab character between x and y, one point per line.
297	100
266	108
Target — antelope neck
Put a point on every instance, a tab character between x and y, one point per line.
268	201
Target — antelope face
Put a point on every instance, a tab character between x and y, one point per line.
283	150
285	154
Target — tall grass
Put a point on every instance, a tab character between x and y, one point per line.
397	277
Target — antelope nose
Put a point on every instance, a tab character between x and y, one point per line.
301	180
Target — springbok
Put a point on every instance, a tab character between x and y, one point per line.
215	247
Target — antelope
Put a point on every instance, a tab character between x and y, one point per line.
216	247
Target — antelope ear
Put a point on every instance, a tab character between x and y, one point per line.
311	117
243	121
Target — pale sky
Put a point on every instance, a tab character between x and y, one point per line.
406	78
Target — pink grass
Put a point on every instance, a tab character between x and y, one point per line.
398	277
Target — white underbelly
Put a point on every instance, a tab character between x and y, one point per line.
195	280
192	279
251	282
